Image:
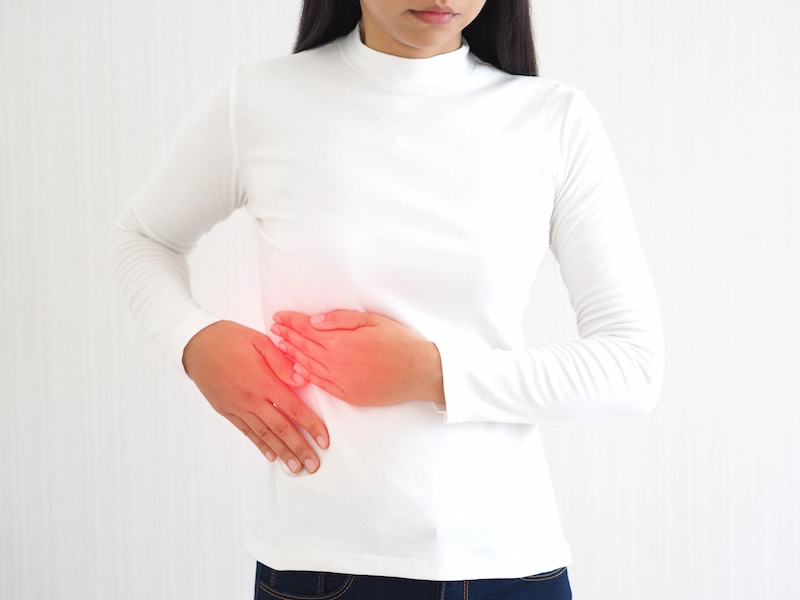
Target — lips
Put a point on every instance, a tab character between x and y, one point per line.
434	18
436	9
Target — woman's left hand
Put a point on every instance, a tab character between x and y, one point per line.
364	359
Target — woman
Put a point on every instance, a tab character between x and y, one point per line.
406	169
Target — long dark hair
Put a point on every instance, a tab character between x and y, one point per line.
501	34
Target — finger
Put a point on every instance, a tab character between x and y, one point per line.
342	319
275	434
299	323
302	363
263	446
308	346
283	427
278	367
321	383
292	353
277	362
288	403
335	319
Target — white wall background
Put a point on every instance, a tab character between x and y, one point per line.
118	480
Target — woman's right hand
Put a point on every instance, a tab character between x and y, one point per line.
244	377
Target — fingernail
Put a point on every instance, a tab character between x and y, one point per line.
297	379
270	455
310	465
274	329
321	441
317	318
293	465
277	319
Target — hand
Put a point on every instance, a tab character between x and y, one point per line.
245	377
364	359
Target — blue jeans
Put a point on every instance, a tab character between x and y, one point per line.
321	585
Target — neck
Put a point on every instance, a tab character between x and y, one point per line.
447	67
377	38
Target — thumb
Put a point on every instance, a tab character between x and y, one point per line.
338	319
280	363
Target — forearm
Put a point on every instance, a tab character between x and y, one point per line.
154	281
432	382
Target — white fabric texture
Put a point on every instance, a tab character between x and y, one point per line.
428	191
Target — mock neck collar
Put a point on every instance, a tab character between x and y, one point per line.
398	70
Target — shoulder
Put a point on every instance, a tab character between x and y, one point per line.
288	67
554	93
558	90
550	102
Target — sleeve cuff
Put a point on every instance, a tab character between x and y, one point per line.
198	320
458	395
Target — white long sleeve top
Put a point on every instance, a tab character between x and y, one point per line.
428	191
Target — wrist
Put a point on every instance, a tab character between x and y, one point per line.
433	389
195	344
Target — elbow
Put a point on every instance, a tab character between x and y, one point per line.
639	400
645	402
645	377
645	394
116	244
112	244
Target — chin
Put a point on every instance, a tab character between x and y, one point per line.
426	40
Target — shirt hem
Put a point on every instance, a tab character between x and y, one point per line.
458	568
